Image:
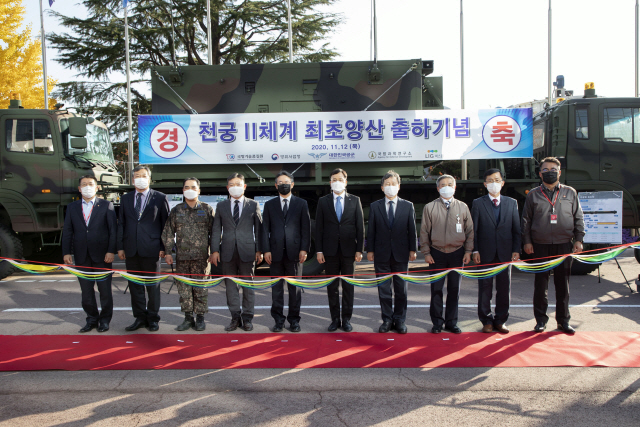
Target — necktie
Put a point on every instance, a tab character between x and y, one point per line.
495	202
390	214
285	209
138	204
338	208
447	203
236	212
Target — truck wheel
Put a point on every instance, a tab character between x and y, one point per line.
311	266
10	247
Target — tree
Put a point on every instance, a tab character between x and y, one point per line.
243	31
20	60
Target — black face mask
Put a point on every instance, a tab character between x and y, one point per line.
284	189
550	177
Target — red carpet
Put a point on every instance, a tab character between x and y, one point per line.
338	350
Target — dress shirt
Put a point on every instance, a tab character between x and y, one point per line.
335	198
395	204
494	198
143	202
233	204
87	207
282	199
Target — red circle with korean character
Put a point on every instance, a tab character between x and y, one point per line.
168	140
502	134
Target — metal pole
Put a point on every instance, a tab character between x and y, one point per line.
375	34
290	32
128	69
637	65
549	84
44	60
210	52
463	169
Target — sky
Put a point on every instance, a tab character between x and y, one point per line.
505	43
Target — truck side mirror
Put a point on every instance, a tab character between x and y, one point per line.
78	143
78	126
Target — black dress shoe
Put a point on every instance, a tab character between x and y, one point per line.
153	326
137	324
295	327
453	329
247	325
346	326
235	323
385	327
436	330
566	328
103	327
335	324
200	325
277	328
401	328
87	327
540	326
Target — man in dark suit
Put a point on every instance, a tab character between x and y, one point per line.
391	244
497	240
235	239
143	214
90	231
286	231
339	244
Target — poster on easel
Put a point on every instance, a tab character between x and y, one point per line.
602	216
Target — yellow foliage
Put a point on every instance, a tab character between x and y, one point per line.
20	59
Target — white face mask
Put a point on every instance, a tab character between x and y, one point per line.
338	187
89	191
494	187
190	194
447	192
391	190
141	183
236	192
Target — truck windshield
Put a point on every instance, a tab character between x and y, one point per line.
98	145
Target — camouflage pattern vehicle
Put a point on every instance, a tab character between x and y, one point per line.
42	155
598	162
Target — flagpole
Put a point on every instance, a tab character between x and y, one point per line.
129	116
637	65
210	53
463	167
44	60
290	32
549	64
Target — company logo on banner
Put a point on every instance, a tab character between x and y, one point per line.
360	136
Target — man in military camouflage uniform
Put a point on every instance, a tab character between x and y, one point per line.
190	222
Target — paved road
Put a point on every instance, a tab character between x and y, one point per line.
447	396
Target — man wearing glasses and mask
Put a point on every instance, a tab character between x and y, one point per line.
551	220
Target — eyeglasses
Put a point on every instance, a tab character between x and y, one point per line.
550	170
338	180
496	181
91	184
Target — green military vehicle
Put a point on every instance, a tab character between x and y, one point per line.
578	131
42	155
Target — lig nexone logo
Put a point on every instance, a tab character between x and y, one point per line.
502	134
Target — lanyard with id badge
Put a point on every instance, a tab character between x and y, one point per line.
458	225
554	216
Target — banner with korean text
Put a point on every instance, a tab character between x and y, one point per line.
360	136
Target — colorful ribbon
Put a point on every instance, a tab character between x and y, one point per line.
319	283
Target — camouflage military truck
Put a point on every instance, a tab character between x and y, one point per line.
352	86
42	155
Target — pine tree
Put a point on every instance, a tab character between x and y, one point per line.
20	59
243	32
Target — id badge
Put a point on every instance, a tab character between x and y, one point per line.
554	219
458	228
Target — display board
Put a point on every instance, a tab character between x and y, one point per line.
602	216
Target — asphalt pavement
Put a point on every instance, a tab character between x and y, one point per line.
50	304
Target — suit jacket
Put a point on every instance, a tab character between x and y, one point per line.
292	232
398	240
491	239
143	236
95	240
226	235
347	234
